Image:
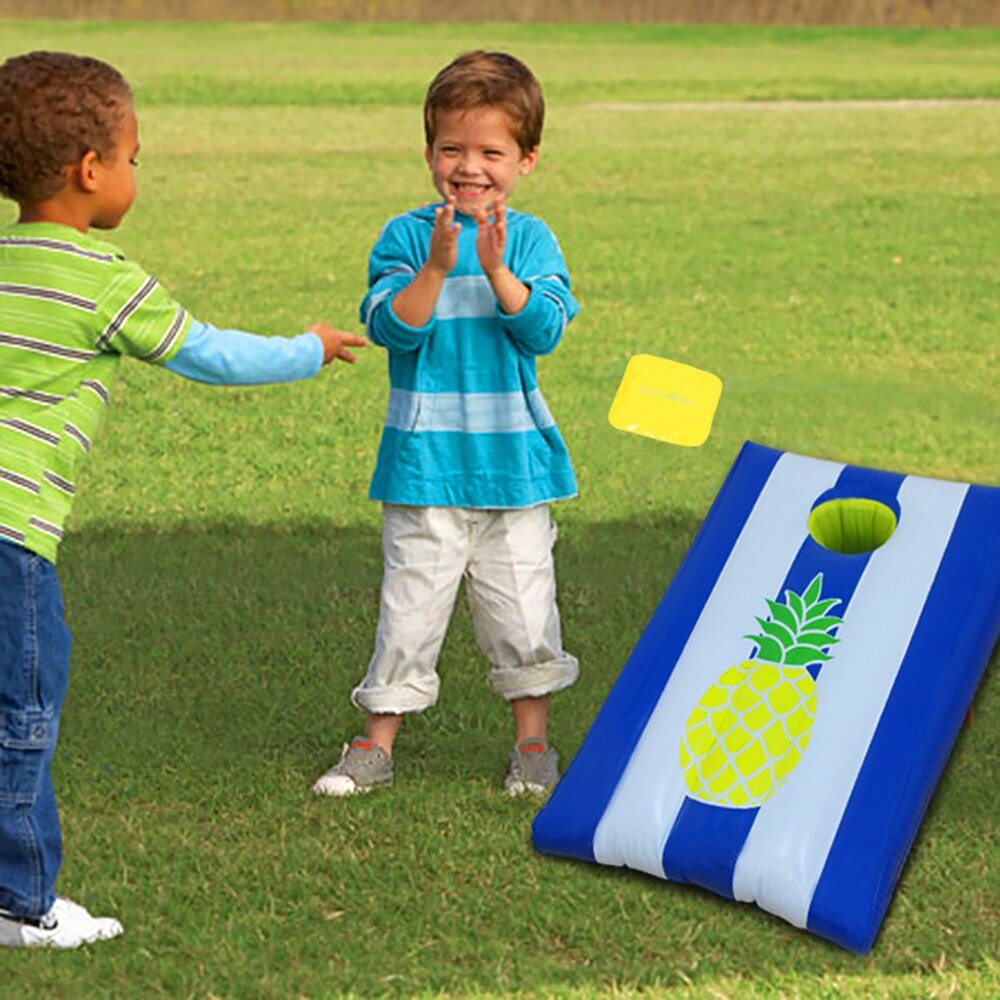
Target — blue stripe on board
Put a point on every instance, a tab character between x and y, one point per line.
703	857
841	573
946	657
706	843
871	484
567	823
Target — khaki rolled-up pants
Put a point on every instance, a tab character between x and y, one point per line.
505	557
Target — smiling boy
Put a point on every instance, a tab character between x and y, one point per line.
465	295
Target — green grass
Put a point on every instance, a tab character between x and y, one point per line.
369	64
837	267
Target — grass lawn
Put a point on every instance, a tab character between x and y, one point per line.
836	266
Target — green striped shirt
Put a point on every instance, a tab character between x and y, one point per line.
70	307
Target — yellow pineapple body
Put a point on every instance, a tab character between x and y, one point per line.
748	733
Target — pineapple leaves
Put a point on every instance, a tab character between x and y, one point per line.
768	649
777	631
795	603
811	595
783	614
821	608
802	656
798	631
816	639
823	624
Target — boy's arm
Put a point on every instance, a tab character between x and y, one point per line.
398	311
232	357
491	245
511	293
415	304
542	301
540	324
135	315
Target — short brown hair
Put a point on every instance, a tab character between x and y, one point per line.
54	108
488	79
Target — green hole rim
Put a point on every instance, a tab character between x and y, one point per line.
852	526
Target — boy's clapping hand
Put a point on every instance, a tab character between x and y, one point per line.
491	237
444	239
491	242
336	342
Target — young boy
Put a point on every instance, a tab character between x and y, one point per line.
465	295
70	307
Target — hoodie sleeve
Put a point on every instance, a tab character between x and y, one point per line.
395	259
538	327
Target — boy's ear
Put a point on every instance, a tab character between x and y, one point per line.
88	171
528	162
428	154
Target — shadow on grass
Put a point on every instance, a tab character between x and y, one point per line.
248	639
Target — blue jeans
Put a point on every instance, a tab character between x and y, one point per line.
34	670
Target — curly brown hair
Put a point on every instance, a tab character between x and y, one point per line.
54	108
483	79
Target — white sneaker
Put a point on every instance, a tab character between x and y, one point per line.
66	925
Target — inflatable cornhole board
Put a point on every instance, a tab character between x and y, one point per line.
782	722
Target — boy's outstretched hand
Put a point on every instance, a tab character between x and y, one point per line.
336	342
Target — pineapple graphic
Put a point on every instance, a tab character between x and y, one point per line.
751	727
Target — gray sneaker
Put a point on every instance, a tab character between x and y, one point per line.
534	768
363	765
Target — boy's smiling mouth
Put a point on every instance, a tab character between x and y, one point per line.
465	189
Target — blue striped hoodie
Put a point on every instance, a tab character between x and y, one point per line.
466	424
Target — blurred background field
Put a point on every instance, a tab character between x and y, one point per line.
834	263
857	13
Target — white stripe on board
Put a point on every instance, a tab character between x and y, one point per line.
644	807
787	847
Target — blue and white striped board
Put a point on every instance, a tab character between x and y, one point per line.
921	616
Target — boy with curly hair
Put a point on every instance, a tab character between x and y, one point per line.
70	307
465	295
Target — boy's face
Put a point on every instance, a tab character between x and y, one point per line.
116	175
475	158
